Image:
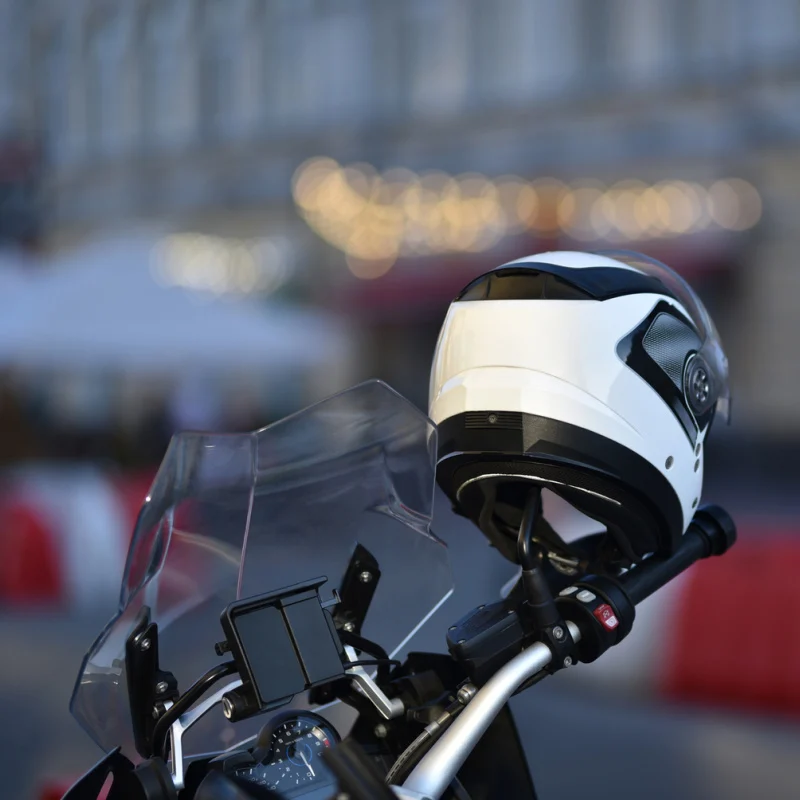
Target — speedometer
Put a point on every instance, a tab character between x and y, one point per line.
288	754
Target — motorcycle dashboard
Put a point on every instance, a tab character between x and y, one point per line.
287	757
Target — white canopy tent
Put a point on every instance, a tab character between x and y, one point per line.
100	308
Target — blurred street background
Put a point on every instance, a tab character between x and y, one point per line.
214	212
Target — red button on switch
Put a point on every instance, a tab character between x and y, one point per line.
605	614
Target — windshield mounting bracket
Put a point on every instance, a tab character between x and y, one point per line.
357	590
149	687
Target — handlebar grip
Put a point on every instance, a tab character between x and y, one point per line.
711	533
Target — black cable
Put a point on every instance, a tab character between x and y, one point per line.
362	645
373	662
414	753
532	681
527	552
185	702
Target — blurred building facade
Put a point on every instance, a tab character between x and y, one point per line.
198	113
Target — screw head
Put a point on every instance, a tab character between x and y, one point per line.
492	419
365	576
699	385
349	627
568	661
227	707
466	693
381	731
558	632
162	687
145	645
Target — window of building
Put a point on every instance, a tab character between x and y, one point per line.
595	25
220	64
639	41
342	68
53	95
773	30
435	56
108	109
522	48
292	64
165	90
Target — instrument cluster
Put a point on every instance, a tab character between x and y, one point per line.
287	757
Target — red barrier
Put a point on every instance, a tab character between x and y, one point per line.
57	790
30	562
736	630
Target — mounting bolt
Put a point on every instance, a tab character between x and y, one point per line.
466	693
144	644
158	710
365	576
349	627
381	731
161	687
568	661
220	648
558	632
227	707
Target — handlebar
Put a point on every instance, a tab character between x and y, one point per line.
436	770
711	532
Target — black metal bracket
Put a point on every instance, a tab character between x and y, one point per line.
149	687
357	590
492	635
539	613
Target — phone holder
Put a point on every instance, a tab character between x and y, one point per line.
283	643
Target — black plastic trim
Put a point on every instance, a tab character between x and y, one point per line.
631	351
538	281
624	489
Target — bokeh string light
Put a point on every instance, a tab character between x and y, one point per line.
220	266
375	218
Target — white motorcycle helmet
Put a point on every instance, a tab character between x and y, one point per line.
596	376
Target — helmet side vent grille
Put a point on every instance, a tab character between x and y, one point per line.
668	342
499	420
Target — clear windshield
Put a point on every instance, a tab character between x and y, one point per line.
231	516
711	348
